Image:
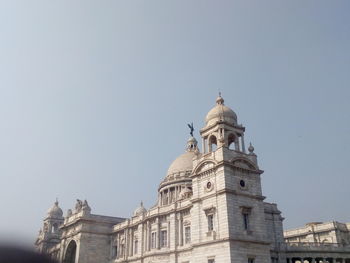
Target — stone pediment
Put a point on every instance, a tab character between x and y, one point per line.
244	164
204	166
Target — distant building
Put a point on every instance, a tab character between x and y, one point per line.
210	209
318	241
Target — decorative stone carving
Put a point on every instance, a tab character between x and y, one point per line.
78	206
69	212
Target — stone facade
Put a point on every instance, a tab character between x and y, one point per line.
210	208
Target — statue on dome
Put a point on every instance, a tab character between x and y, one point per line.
191	128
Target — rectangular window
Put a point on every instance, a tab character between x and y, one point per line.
153	240
187	234
163	238
136	243
210	222
211	260
250	260
246	222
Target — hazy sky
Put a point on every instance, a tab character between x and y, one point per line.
95	97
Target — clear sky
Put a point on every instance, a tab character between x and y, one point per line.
95	97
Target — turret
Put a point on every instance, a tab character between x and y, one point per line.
49	235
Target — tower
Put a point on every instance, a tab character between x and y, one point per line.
49	235
228	208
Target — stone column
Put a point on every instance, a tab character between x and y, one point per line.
168	236
118	247
148	236
126	243
158	233
181	231
131	242
176	226
203	145
142	238
236	144
243	145
175	198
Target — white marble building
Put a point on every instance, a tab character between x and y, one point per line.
210	208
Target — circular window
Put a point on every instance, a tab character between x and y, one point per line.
242	183
208	185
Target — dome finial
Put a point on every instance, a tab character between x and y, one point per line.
219	100
56	203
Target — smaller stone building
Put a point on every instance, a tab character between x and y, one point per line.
319	242
85	237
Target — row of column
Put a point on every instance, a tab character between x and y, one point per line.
126	240
207	143
169	195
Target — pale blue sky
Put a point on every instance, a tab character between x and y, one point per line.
95	97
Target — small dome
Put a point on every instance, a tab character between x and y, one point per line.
183	163
220	112
140	210
55	211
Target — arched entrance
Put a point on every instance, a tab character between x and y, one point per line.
69	257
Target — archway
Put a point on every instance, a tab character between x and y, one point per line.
212	143
232	142
70	252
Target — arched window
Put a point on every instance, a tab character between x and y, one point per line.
54	228
212	143
232	142
70	252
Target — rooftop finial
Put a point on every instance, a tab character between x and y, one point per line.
56	203
220	100
191	128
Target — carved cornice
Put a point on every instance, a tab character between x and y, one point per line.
227	191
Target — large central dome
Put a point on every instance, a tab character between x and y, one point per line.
183	163
220	113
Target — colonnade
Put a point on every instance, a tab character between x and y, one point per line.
170	195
